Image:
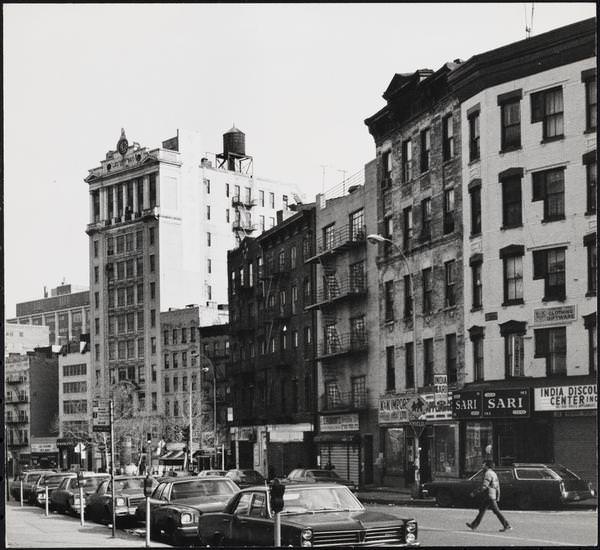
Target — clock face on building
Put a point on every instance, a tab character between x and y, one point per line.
122	146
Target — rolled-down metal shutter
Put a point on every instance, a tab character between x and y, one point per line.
575	445
344	457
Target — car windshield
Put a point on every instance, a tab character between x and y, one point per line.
134	485
91	482
202	488
324	474
32	478
53	480
251	475
315	499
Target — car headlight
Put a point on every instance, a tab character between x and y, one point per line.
120	501
306	534
410	538
186	518
411	526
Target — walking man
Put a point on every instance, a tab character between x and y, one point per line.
491	495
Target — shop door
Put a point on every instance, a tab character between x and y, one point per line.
367	460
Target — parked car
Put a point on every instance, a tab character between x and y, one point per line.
183	500
128	495
65	498
314	514
314	475
524	485
52	481
245	478
29	478
210	473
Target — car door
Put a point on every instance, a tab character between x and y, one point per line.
506	478
95	501
239	521
260	527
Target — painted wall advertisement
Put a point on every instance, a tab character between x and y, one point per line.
562	398
339	423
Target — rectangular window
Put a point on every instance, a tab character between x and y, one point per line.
208	211
236	192
448	137
427	291
425	149
511	203
591	175
513	280
590	104
207	186
152	192
408	298
386	169
329	237
153	345
514	354
511	125
389	300
151	235
208	239
357	225
409	375
153	291
152	318
592	264
426	217
448	211
96	274
547	107
152	263
261	197
475	194
550	265
96	300
551	344
139	240
474	137
549	186
140	348
407	233
390	369
272	200
451	358
406	161
139	266
476	286
477	342
428	366
450	293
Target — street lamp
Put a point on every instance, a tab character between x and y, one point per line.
380	239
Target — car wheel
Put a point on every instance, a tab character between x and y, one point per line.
524	501
444	498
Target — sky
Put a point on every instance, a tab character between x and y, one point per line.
298	79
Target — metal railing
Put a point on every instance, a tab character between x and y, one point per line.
352	400
343	344
339	238
350	286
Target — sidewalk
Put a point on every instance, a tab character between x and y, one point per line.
28	527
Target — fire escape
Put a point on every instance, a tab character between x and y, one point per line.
242	224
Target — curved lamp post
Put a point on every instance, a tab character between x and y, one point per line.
380	239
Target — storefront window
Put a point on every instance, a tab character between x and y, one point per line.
445	456
394	451
478	436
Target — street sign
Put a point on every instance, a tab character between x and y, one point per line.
416	406
417	427
101	415
79	448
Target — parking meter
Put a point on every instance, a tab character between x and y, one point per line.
80	485
147	492
276	500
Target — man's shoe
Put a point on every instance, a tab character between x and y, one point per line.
506	528
470	526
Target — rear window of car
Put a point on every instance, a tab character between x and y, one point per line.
565	473
201	488
33	478
505	475
53	480
534	473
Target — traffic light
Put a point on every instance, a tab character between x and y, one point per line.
276	496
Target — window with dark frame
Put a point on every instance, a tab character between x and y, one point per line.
426	218
390	369
589	241
590	104
477	286
451	370
589	322
547	107
448	137
357	225
406	161
550	265
450	287
409	374
591	187
474	152
477	342
511	203
389	300
510	113
551	344
359	391
512	266
475	193
407	232
408	299
425	152
428	365
448	211
386	169
427	291
549	186
388	233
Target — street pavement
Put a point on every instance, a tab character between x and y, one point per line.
28	527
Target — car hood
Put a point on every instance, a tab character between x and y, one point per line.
202	504
335	521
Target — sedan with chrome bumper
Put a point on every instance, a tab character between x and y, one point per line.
314	514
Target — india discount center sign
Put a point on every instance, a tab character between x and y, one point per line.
565	398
